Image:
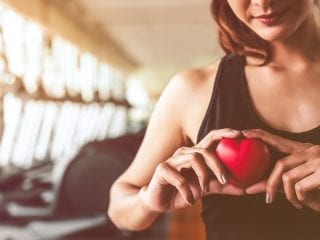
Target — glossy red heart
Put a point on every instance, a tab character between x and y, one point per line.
247	159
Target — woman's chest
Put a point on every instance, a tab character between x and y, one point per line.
286	101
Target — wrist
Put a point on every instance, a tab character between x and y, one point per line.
145	203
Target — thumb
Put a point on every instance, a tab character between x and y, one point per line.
215	187
281	144
259	187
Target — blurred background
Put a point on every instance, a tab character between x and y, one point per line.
78	82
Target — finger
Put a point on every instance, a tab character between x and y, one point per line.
190	159
215	187
168	175
214	165
259	187
291	177
193	160
306	185
216	135
210	161
281	144
281	166
201	170
181	150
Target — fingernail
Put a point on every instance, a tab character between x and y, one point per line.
268	198
224	180
298	206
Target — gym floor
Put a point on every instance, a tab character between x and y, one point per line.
185	224
62	230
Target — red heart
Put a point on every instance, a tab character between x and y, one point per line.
247	159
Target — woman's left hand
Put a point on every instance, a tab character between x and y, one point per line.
299	171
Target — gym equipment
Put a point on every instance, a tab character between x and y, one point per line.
75	204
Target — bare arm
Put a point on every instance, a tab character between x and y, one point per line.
170	172
162	138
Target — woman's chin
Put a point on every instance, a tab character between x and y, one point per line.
273	35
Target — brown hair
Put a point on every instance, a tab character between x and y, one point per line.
235	36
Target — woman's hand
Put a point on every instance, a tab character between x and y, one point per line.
299	172
187	175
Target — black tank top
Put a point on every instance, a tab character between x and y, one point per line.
249	217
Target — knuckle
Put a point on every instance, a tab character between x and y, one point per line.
280	165
299	192
181	183
298	188
307	145
270	186
259	131
315	149
287	178
195	157
162	168
180	150
212	133
204	151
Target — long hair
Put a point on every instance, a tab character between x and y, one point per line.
235	36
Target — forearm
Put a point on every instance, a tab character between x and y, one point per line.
127	210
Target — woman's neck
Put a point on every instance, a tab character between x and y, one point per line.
299	50
296	52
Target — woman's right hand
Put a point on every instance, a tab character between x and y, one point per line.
189	174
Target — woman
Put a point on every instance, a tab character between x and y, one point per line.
268	81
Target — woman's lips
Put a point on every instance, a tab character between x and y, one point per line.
268	19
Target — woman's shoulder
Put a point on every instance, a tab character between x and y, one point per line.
186	97
188	87
193	80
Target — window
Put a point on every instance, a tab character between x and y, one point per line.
55	97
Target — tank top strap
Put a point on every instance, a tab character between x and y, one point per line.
227	107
